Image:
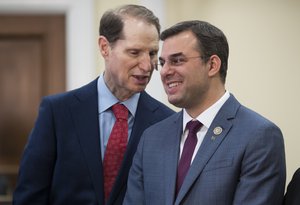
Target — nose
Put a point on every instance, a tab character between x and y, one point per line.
145	63
165	70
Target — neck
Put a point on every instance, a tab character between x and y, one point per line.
207	100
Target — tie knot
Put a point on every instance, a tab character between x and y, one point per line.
193	126
120	111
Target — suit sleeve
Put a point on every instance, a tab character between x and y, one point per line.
135	185
262	179
37	164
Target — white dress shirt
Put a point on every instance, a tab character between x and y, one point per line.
206	119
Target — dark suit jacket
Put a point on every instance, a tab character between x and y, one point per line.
292	196
242	165
62	164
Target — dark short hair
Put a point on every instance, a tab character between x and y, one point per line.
111	23
211	41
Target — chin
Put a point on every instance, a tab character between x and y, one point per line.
139	89
175	102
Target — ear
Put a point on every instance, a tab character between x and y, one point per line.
103	46
214	65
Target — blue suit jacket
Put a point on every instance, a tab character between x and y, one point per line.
62	163
244	165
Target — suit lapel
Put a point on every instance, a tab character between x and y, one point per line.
85	116
171	154
210	144
144	118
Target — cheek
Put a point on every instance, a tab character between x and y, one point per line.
125	63
198	73
195	80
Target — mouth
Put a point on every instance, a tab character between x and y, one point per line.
172	87
141	79
173	84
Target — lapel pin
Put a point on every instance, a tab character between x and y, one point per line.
218	130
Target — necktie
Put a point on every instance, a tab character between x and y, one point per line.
188	149
115	148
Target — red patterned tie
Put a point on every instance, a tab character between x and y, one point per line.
187	152
115	148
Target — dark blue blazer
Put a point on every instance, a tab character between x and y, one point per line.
61	164
242	165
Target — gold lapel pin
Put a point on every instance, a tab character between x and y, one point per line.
218	130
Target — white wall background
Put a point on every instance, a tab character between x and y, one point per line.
264	50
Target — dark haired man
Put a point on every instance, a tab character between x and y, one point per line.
215	151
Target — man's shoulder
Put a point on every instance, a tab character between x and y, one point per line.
296	175
152	103
85	90
244	113
171	120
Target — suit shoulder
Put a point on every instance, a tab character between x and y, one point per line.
293	189
155	105
167	122
296	176
252	116
85	90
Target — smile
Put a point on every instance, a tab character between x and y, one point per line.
172	85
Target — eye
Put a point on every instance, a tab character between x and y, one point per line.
177	61
133	52
152	54
161	63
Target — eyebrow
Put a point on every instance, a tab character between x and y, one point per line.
172	55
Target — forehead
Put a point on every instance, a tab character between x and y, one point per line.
184	42
138	32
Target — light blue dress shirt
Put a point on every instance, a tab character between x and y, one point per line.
106	117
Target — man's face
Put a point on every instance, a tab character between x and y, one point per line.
129	62
184	74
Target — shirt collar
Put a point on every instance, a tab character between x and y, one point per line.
209	114
106	99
